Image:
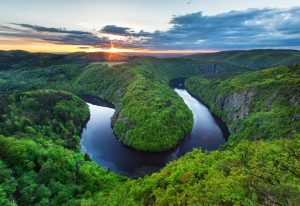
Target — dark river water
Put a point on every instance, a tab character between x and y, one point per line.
101	145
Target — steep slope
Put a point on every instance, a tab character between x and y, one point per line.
263	104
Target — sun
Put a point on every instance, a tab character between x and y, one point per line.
113	49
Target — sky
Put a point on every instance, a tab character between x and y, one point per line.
157	26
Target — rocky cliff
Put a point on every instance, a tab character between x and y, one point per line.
256	105
237	104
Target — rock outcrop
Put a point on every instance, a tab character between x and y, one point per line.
236	105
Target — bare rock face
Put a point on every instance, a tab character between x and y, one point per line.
237	105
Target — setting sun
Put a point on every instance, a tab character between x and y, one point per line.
113	49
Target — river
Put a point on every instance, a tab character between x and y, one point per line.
101	145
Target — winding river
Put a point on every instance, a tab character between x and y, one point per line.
101	145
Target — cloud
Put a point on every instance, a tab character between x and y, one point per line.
50	29
123	31
116	30
54	35
251	28
74	39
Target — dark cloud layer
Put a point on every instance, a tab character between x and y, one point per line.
123	31
55	30
116	30
55	35
253	28
235	29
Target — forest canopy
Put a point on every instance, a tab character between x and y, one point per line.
41	119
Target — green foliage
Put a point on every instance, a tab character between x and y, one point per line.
153	117
270	109
48	114
148	112
47	174
128	86
39	130
69	72
103	81
7	185
173	68
37	166
249	174
39	77
219	64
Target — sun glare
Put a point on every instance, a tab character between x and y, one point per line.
113	49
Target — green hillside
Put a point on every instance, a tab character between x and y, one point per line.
148	112
172	68
258	166
41	120
131	87
251	173
40	160
256	105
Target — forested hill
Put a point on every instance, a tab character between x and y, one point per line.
227	60
18	58
40	162
220	64
258	166
255	105
255	59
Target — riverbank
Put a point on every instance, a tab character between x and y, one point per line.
103	147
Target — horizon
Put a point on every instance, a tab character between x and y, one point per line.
150	53
179	28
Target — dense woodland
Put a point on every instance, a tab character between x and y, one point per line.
256	105
130	87
40	161
148	112
259	164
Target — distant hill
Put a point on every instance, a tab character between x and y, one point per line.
254	59
11	59
220	63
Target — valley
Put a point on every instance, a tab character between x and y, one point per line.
255	93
